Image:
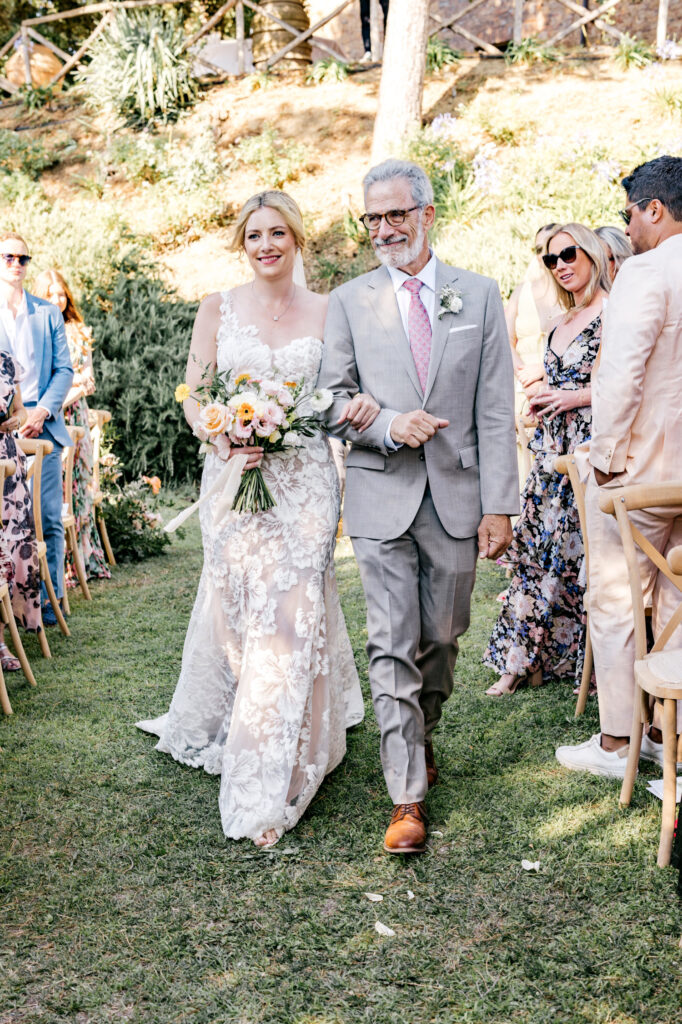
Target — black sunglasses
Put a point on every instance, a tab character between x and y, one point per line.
10	257
626	215
568	255
394	218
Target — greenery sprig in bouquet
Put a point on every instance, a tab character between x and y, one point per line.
241	410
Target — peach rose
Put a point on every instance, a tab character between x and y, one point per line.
216	418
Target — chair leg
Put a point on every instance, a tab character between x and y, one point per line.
102	527
65	601
632	766
587	675
8	616
78	564
669	781
44	645
47	580
4	699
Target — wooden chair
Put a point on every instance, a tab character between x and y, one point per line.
39	449
658	674
7	468
566	464
97	419
68	518
525	428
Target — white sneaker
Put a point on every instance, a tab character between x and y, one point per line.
366	58
652	751
591	757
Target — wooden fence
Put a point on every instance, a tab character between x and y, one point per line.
28	32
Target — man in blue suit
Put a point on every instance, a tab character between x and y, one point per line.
32	332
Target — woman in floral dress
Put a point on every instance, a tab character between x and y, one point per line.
18	549
540	631
52	286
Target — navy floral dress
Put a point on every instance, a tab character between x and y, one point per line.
542	622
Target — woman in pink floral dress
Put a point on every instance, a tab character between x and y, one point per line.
51	285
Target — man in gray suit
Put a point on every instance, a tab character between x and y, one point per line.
432	482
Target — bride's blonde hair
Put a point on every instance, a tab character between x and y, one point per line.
280	201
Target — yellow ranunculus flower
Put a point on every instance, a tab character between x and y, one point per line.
275	436
241	378
182	392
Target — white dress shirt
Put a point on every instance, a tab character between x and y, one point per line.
21	347
427	293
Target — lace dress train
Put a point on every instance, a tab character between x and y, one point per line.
268	684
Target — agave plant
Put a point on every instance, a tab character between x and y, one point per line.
138	72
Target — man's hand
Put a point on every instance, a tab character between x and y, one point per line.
361	412
35	421
494	536
416	428
603	478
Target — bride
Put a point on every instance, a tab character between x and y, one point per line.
268	684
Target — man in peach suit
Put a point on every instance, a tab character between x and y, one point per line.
636	439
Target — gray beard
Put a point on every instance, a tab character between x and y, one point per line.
404	254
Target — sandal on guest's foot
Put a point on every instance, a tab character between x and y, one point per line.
508	684
7	660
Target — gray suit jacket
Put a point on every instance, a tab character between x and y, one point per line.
471	464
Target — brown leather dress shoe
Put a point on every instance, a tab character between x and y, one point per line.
431	770
407	831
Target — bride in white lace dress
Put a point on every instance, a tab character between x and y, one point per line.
268	684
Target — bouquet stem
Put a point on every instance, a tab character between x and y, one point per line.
253	494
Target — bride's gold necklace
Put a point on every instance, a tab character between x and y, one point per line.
286	308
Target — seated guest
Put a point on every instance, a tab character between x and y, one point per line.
51	285
616	246
19	565
32	333
540	630
637	439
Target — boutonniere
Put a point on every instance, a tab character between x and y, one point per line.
450	301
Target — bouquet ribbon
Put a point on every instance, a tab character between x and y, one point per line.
225	485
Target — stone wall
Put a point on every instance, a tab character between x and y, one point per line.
493	21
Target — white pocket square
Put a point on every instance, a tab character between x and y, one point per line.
464	327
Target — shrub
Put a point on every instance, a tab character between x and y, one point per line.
138	72
134	526
530	51
142	336
29	157
669	100
276	162
632	52
435	149
326	70
440	55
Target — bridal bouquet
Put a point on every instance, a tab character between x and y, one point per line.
238	410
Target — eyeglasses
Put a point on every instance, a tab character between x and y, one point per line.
11	257
394	218
567	255
626	215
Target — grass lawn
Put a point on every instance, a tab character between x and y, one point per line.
122	901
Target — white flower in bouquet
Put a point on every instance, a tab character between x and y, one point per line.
321	399
292	440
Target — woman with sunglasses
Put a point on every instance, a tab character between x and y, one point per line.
540	630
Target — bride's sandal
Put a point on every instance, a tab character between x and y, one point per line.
7	660
268	839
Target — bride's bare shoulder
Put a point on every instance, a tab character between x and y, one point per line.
316	302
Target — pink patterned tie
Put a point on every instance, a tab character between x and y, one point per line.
419	330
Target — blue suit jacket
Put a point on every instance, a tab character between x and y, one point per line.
55	372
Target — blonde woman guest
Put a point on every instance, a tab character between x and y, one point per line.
540	630
616	246
268	684
51	285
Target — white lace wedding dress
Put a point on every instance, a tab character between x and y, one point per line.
268	684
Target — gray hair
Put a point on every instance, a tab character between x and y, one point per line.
617	241
420	186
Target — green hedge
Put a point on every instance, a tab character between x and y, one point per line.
142	337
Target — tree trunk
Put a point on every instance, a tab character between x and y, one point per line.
402	75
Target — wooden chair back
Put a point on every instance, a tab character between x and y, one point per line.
68	456
619	502
97	419
35	450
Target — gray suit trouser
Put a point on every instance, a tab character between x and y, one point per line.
418	591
